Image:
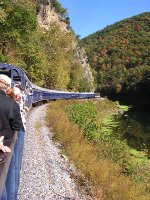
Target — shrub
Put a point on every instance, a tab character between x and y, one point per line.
105	177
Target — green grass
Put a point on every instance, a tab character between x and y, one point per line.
113	170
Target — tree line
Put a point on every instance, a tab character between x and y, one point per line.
120	57
47	56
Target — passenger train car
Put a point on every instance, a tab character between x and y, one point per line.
36	94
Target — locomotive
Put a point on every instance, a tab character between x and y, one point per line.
35	94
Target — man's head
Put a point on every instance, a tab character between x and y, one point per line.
17	93
5	82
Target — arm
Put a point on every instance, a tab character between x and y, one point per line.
5	149
15	120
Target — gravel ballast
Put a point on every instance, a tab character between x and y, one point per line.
45	174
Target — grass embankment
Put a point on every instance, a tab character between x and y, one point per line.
113	170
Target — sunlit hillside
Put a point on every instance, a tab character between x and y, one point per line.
120	55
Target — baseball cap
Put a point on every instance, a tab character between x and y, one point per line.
5	79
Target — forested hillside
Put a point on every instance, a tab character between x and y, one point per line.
120	55
46	54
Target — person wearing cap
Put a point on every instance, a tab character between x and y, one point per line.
11	110
9	107
16	94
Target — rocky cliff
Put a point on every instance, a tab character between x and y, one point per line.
46	15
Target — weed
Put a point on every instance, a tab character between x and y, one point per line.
108	163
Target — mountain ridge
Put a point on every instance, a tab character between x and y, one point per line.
120	56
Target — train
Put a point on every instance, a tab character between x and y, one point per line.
35	94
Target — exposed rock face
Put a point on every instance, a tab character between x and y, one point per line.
82	58
47	15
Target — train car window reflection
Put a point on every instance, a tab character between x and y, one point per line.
16	76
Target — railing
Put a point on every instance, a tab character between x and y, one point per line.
10	165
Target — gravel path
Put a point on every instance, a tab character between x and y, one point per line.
45	173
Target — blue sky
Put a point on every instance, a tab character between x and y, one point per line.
89	16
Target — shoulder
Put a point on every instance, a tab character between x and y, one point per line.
12	103
5	98
16	105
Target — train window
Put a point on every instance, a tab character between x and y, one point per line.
16	76
5	71
27	85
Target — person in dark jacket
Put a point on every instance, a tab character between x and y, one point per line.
11	111
9	107
5	129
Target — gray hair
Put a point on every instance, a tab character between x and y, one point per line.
3	86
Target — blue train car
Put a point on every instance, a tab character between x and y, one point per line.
17	75
36	94
42	94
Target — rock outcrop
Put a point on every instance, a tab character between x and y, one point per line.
46	15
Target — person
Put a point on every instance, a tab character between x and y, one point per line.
9	107
11	111
16	95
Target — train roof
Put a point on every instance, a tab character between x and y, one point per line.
58	91
9	67
6	66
